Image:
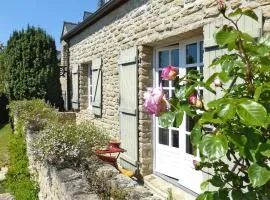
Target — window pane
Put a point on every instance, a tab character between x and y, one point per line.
163	82
163	136
201	72
175	57
175	139
201	51
189	123
167	93
163	59
191	53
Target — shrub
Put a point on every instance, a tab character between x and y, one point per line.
34	114
32	67
69	143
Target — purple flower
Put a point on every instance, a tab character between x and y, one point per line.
169	73
155	102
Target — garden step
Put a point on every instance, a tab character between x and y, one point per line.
160	187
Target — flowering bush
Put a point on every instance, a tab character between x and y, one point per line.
236	125
69	144
35	114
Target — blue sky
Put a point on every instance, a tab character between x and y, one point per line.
47	14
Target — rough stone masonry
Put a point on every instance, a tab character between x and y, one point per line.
147	24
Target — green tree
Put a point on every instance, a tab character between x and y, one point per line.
32	67
3	69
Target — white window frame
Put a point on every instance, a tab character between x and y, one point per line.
89	86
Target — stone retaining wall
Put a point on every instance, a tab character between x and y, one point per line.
69	184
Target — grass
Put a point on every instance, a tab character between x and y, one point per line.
18	180
5	135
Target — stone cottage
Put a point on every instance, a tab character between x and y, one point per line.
116	53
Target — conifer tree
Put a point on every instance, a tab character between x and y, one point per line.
32	67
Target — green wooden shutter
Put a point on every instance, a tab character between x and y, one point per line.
128	107
211	50
97	87
75	87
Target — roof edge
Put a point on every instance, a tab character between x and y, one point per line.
96	16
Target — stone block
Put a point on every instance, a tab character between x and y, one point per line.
121	182
106	172
138	192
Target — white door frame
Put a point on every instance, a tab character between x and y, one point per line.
187	158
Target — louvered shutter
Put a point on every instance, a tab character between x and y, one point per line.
211	50
128	107
97	87
75	87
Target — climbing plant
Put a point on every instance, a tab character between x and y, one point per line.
32	66
232	132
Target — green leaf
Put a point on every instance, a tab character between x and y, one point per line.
204	185
252	113
237	195
209	117
214	146
190	90
258	92
211	79
258	175
225	37
250	13
178	118
239	141
217	181
206	196
227	111
196	135
216	103
166	119
264	149
236	12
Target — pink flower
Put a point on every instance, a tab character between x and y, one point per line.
221	6
192	99
155	102
169	73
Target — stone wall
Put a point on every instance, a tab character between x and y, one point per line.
89	184
147	24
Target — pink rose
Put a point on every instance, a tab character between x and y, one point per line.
221	6
155	102
169	73
192	99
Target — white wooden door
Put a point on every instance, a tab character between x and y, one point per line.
174	155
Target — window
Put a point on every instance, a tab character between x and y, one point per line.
168	56
90	87
186	57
